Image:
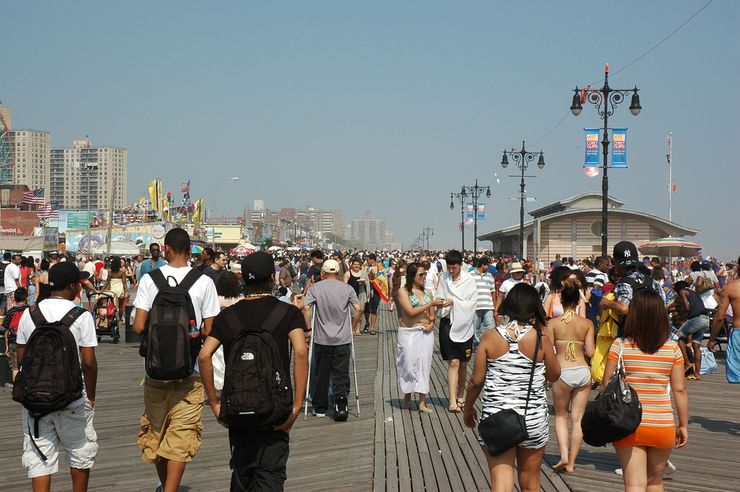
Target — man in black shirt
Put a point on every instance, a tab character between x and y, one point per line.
259	457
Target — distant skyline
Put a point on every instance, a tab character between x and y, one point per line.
387	107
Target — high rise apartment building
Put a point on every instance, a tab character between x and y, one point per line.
369	232
83	177
30	156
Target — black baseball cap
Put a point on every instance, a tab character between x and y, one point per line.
65	273
625	253
257	268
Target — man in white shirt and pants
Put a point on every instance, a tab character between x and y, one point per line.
456	325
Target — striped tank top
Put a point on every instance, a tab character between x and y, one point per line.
649	375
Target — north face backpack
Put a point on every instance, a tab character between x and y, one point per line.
50	376
172	341
257	392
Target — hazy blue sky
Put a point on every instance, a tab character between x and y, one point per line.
386	106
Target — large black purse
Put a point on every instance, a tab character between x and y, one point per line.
505	429
615	413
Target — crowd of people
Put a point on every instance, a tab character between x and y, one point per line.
213	325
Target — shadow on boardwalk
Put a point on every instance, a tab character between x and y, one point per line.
384	448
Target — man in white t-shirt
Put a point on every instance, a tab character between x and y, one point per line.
12	279
70	429
517	277
170	431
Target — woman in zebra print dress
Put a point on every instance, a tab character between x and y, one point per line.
503	364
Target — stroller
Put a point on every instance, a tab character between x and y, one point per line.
106	316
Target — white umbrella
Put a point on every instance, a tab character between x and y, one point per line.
274	248
121	248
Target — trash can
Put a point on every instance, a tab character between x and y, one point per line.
130	335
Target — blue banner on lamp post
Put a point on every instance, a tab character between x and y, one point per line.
619	147
592	148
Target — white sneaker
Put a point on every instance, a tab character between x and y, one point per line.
670	468
618	471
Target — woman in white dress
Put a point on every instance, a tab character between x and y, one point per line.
415	336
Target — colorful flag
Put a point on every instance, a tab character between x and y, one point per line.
619	147
674	186
185	188
380	284
35	197
592	148
48	211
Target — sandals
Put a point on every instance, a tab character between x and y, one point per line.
454	410
690	374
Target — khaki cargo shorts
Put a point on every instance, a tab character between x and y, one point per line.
171	426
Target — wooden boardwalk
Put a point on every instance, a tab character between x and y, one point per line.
384	448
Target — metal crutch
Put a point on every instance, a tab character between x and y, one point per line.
354	365
310	356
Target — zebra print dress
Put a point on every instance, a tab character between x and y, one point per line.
507	380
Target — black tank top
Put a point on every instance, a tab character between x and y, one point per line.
354	282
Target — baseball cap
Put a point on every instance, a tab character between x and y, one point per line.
516	267
330	266
625	253
257	268
64	274
236	267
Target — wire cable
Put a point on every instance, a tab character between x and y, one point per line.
643	55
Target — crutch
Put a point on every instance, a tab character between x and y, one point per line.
310	356
354	365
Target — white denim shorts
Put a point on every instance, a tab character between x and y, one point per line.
70	429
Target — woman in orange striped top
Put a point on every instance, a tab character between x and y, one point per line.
651	361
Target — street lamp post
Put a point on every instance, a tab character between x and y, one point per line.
522	158
475	192
213	226
461	197
606	100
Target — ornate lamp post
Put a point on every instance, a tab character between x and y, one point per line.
461	197
605	99
475	192
522	158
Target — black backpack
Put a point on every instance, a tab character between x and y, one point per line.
2	273
171	341
257	392
50	377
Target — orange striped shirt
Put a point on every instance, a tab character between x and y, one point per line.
649	375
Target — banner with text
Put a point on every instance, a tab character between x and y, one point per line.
592	148
619	147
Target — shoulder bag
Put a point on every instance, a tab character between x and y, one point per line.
615	413
505	429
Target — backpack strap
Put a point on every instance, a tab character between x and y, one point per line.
270	323
69	319
158	279
192	276
37	316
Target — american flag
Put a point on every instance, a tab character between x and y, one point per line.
35	197
48	211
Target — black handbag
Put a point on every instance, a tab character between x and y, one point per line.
615	413
505	429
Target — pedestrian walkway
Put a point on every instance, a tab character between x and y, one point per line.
384	448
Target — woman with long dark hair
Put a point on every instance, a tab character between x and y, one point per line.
651	362
115	283
573	337
503	363
415	336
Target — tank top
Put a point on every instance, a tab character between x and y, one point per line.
354	282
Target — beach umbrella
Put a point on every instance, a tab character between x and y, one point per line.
242	250
196	249
670	246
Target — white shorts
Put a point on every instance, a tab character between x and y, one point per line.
70	429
